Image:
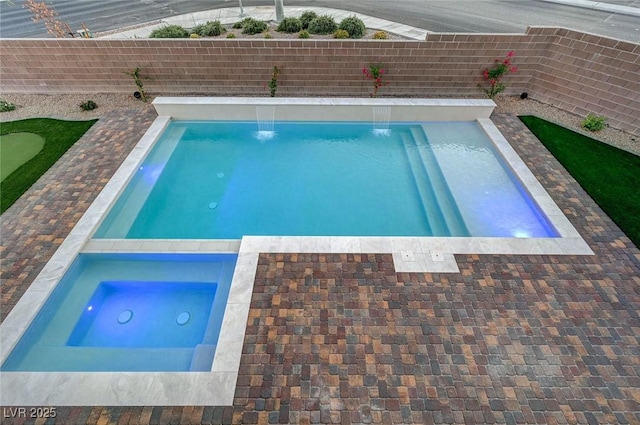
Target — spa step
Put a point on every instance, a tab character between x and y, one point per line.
202	358
104	359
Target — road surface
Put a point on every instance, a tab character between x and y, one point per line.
493	16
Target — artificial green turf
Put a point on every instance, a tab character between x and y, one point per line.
609	175
58	135
16	149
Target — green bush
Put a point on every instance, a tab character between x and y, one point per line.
89	105
210	29
594	122
6	106
324	24
253	26
341	34
380	35
304	34
240	24
306	18
290	25
267	35
170	31
354	26
231	35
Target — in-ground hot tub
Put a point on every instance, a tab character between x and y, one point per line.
129	312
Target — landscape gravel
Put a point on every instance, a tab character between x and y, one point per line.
66	106
515	105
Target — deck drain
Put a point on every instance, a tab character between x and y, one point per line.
407	256
437	256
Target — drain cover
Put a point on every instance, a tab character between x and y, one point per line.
125	317
183	318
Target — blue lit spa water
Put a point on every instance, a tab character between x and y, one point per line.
130	312
224	180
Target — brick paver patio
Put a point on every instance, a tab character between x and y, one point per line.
345	339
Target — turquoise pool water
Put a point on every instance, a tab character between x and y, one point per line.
224	180
130	312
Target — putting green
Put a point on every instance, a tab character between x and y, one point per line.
16	149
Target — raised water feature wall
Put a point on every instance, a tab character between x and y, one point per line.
576	71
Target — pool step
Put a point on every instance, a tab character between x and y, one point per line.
118	223
428	198
451	222
448	206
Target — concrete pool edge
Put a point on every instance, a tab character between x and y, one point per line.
427	254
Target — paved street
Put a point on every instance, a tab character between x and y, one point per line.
440	16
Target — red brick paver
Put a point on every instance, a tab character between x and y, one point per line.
345	339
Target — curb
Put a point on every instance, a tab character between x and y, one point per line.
596	5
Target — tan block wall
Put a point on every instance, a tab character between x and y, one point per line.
555	66
446	64
584	73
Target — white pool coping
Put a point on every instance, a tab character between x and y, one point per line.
217	387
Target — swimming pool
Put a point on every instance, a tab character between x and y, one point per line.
226	180
216	386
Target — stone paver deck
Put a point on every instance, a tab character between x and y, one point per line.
345	339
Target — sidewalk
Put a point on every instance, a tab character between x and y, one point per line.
598	5
231	15
265	13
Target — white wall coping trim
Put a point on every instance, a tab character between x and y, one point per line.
323	109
